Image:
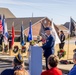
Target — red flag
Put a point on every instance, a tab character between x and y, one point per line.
13	35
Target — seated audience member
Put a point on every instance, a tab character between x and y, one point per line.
73	70
18	67
52	65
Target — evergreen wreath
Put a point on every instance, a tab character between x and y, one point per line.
23	49
61	53
16	48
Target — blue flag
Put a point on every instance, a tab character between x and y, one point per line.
22	36
30	32
5	31
3	23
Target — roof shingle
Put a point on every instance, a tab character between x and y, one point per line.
18	22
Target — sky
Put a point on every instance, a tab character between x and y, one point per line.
58	10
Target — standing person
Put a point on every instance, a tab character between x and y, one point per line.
52	65
48	46
1	38
18	67
62	39
73	70
10	41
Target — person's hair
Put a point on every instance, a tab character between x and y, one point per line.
19	72
53	61
62	32
18	60
74	56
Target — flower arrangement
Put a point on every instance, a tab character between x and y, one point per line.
23	49
32	42
16	48
1	48
61	53
5	48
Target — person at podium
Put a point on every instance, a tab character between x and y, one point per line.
48	46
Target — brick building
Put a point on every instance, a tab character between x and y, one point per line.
38	23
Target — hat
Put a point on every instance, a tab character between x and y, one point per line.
48	28
18	59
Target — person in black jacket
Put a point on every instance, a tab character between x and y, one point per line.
1	38
10	41
48	46
62	39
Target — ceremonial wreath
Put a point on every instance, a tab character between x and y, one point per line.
16	48
23	49
61	53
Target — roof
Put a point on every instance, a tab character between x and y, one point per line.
67	25
56	28
62	27
18	22
6	12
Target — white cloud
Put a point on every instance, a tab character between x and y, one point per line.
25	3
51	2
15	2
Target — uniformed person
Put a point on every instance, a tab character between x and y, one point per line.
48	47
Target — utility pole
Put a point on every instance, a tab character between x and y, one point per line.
32	14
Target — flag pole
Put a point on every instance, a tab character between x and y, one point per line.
13	25
55	35
68	39
3	30
10	51
68	47
20	41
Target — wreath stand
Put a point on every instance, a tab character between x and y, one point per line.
11	53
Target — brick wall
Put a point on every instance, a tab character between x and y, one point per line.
35	30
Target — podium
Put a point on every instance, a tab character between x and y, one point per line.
35	60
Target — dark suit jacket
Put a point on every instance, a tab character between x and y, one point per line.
62	38
52	71
48	47
1	39
7	72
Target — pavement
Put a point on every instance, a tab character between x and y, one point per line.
64	67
